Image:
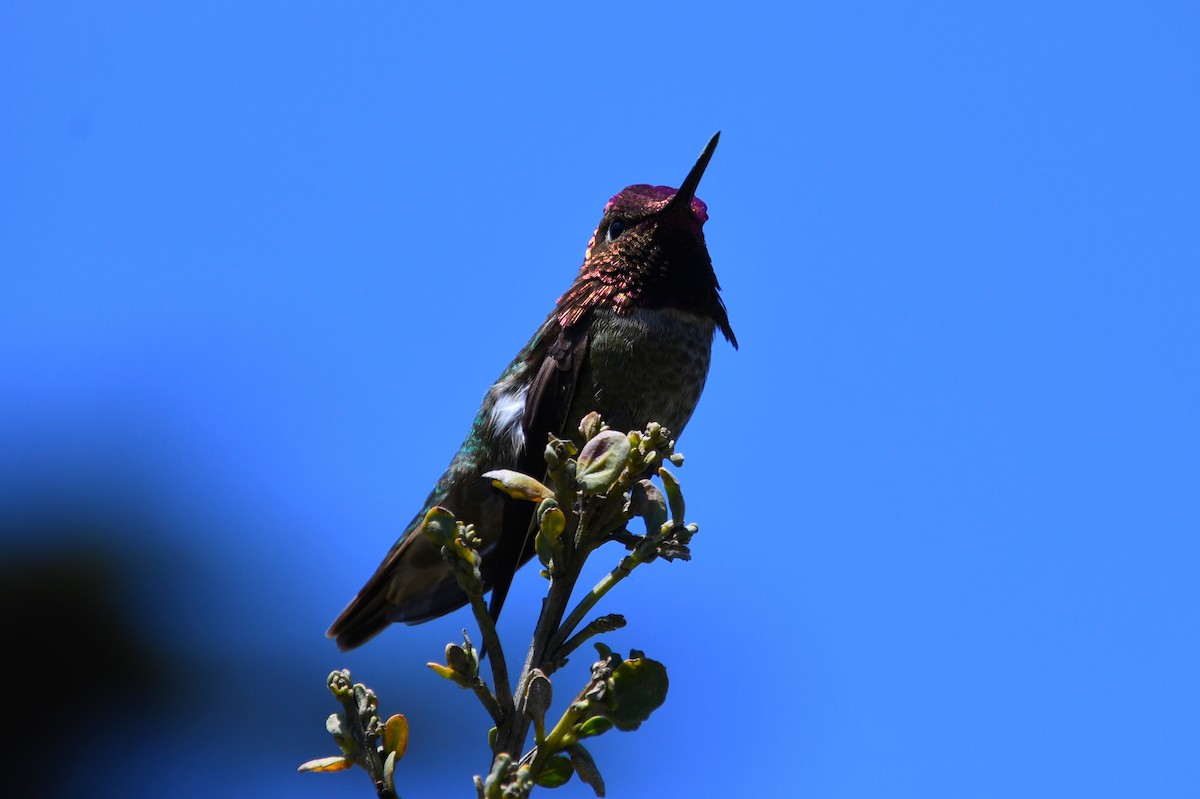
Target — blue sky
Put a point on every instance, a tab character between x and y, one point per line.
258	265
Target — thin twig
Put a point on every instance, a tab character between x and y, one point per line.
589	601
491	646
512	735
488	701
599	626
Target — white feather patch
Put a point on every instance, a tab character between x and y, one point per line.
506	417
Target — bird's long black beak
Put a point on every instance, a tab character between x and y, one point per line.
687	190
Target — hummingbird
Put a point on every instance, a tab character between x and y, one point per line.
631	338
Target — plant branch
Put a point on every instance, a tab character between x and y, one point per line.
598	626
554	606
606	584
503	699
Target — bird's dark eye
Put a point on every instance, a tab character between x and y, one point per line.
615	229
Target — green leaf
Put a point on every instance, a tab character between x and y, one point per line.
639	688
439	526
395	735
552	523
590	426
544	551
548	541
557	771
602	461
596	725
443	671
674	494
456	658
335	725
518	486
648	502
585	767
389	771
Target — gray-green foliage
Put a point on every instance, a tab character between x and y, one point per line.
588	498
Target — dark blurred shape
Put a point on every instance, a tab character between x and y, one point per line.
74	661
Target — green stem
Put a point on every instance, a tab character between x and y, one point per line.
598	626
562	736
606	584
489	702
491	646
511	735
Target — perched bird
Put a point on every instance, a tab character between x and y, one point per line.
631	338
